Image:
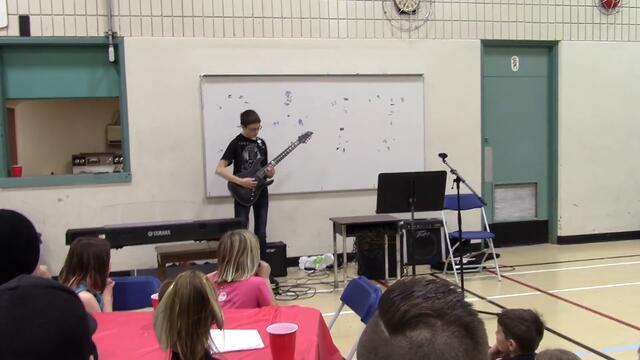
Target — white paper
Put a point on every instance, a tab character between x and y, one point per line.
234	340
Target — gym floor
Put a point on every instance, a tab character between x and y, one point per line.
588	295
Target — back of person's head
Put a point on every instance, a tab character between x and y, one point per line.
184	316
249	117
424	319
163	288
43	319
19	245
556	354
524	327
238	256
88	260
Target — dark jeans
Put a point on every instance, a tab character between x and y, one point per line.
260	210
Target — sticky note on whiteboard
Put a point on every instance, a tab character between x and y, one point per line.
3	14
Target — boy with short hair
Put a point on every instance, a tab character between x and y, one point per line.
518	335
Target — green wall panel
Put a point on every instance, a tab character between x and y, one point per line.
37	72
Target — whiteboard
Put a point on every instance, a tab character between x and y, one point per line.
3	14
363	125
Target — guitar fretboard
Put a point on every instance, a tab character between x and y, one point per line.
280	157
285	153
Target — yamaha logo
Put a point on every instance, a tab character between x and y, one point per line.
159	233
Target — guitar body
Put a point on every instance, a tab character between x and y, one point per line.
246	196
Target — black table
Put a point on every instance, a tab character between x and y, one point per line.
345	226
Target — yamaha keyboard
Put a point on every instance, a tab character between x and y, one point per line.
158	232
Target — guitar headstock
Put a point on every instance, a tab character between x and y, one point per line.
304	138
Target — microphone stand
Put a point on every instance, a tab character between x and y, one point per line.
457	180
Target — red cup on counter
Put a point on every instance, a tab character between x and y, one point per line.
16	170
282	340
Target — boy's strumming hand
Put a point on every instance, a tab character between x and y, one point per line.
248	183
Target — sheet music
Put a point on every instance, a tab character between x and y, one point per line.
235	340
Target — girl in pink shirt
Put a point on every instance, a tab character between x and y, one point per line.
242	280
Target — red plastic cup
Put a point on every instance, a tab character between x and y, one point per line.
155	301
282	340
16	170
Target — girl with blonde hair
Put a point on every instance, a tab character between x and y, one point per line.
242	280
86	271
182	322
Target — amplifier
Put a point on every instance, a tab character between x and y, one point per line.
96	163
277	258
424	242
370	252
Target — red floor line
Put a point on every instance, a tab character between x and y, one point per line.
607	316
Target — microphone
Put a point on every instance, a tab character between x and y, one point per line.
443	156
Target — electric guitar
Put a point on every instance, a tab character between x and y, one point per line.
246	196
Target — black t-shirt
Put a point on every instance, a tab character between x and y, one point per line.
243	153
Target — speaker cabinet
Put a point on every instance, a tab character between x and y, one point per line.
424	242
277	258
370	251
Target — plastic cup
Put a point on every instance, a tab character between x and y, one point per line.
154	301
16	170
282	340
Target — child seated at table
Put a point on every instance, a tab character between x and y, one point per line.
19	248
518	335
556	354
43	319
184	316
86	271
242	280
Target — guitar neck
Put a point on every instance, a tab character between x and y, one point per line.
279	158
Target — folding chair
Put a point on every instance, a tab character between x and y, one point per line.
468	202
362	296
134	292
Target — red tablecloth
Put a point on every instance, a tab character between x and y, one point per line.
129	335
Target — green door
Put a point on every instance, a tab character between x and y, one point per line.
517	148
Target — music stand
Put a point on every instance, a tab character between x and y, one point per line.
410	192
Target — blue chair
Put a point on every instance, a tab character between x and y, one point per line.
468	202
134	292
362	296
